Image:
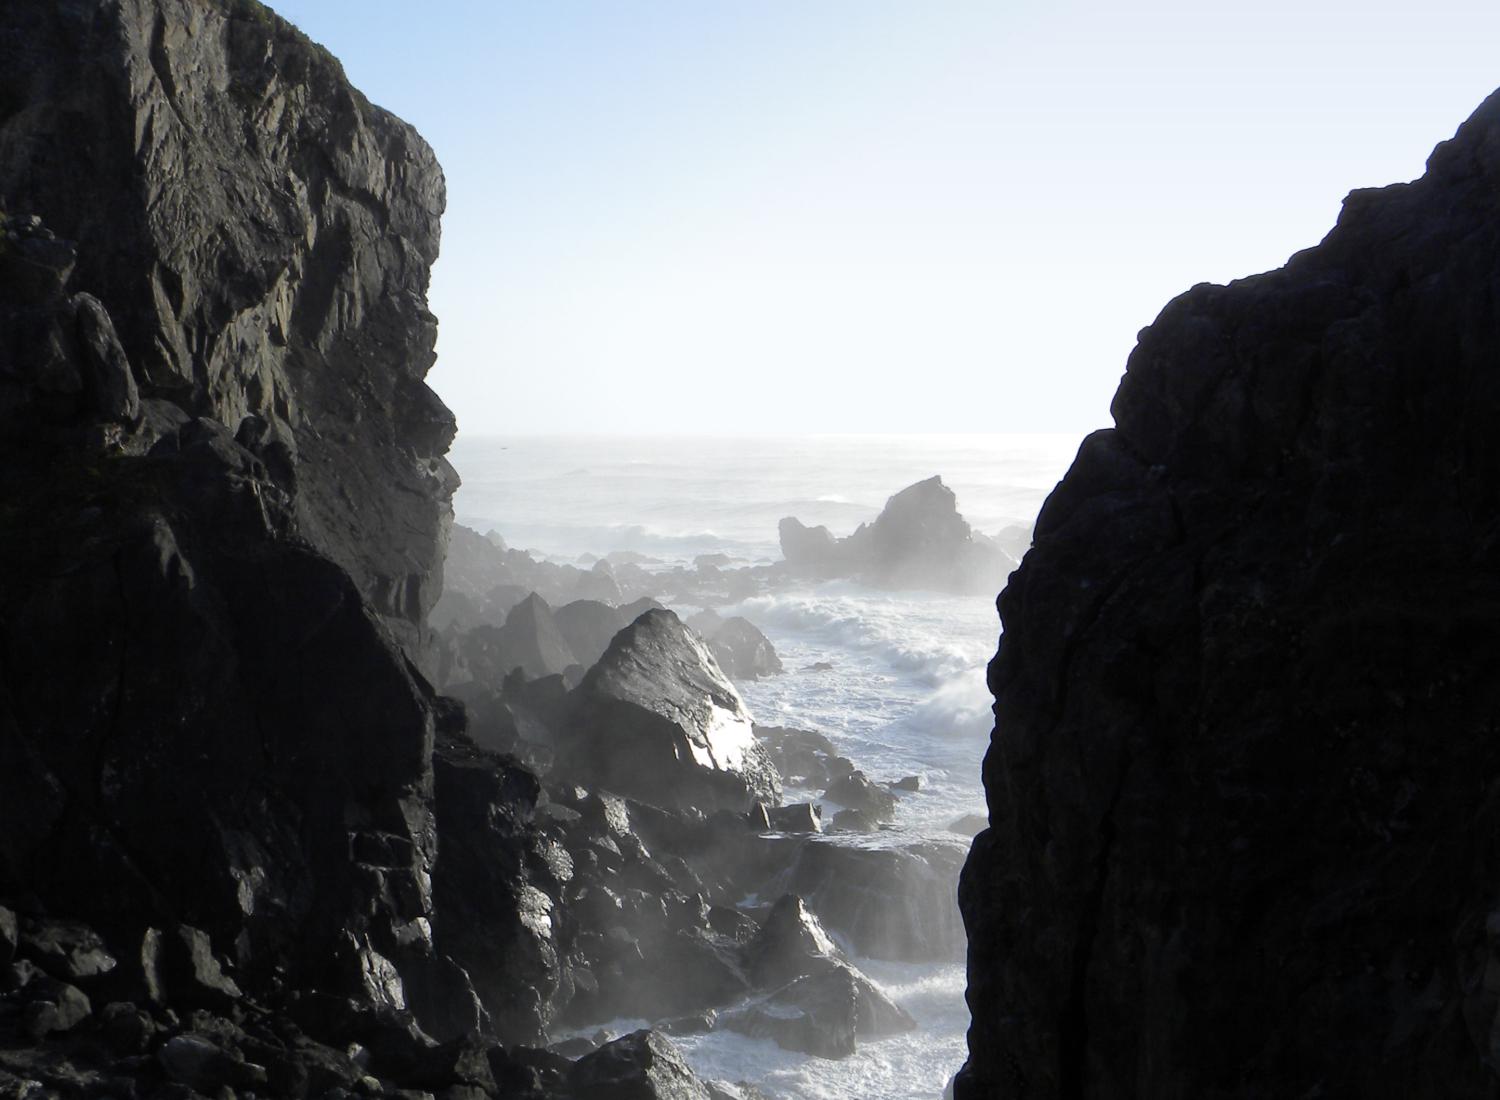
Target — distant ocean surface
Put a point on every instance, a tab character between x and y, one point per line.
906	691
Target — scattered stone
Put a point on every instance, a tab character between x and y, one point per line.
909	783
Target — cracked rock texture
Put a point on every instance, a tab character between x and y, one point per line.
260	237
1244	785
224	500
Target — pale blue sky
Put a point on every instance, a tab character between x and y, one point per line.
862	215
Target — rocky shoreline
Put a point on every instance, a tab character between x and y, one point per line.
263	830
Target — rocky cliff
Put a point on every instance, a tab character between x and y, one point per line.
1244	784
259	236
223	503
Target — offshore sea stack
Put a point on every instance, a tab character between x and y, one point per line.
1244	786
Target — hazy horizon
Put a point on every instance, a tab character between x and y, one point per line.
861	215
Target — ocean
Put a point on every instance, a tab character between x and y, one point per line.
904	693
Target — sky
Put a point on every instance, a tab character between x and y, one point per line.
786	216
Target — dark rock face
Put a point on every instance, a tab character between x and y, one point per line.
251	239
1242	786
658	721
640	1066
918	541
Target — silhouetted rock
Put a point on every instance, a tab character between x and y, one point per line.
588	626
658	721
1243	778
918	541
632	611
640	1066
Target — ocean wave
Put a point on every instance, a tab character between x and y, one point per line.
912	637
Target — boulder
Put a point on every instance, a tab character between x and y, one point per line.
52	1007
855	792
919	541
791	944
643	1065
705	622
803	758
181	970
633	610
897	903
68	950
530	640
588	626
799	817
656	720
743	652
823	1014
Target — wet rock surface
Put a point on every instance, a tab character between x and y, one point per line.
1242	780
657	720
246	847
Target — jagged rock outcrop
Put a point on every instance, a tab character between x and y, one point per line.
252	238
1242	787
658	721
918	541
220	522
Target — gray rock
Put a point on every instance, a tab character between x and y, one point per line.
791	944
53	1007
823	1014
919	540
743	652
657	721
799	817
588	626
855	792
10	932
201	1064
531	640
640	1066
181	969
68	950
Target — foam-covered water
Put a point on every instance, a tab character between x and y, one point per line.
905	691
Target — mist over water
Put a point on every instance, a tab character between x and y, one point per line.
904	692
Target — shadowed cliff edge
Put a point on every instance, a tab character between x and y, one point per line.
246	848
1245	830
